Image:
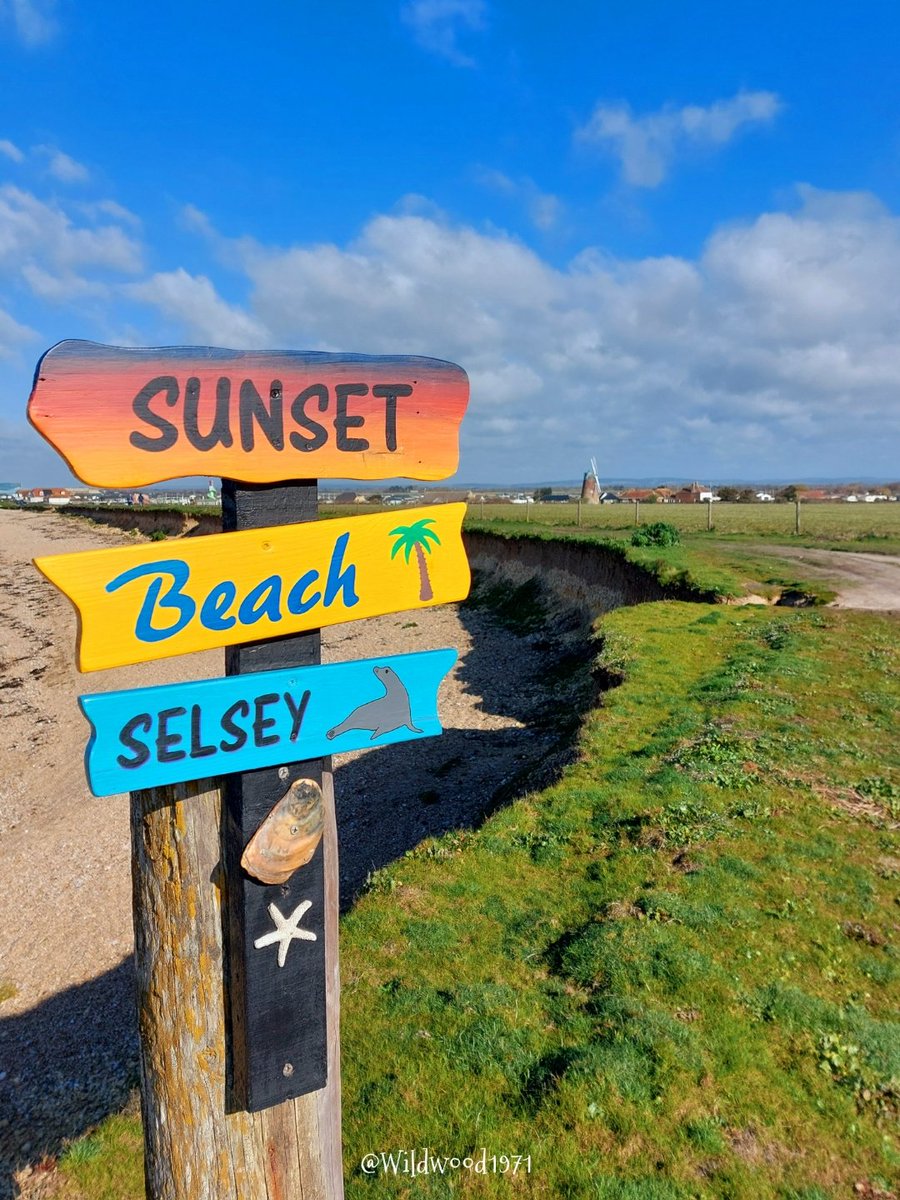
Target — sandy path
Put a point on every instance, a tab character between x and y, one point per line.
863	581
67	1038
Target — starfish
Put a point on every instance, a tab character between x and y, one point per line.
286	929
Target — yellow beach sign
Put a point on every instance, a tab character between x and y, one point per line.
138	603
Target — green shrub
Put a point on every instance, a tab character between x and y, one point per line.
657	533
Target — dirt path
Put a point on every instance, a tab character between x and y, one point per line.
67	1031
864	581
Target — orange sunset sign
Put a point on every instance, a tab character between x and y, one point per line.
125	417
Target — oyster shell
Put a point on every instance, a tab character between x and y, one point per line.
288	837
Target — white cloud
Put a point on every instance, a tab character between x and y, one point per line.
438	24
55	256
776	351
66	169
10	150
778	347
110	208
544	210
646	145
193	302
33	20
13	335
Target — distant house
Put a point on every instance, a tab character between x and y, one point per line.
447	496
558	498
691	494
55	496
766	497
610	498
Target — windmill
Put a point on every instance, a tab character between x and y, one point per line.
590	486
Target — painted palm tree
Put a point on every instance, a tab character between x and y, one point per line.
417	537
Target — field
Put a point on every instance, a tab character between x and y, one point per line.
840	525
671	974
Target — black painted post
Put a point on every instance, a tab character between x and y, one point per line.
278	1014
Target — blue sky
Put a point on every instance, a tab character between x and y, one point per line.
665	235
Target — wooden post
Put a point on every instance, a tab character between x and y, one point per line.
637	512
197	1071
709	514
797	515
579	510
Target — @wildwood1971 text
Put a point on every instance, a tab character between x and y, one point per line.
423	1161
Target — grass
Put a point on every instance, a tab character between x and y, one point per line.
651	977
738	556
871	527
735	558
108	1164
669	976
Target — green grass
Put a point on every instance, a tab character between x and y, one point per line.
671	975
108	1164
872	527
737	557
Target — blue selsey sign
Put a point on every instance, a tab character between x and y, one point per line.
148	737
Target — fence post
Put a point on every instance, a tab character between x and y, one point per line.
709	514
797	515
637	512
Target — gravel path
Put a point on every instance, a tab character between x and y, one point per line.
863	581
67	1030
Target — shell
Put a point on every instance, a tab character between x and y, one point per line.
288	837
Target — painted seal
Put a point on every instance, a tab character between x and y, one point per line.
389	712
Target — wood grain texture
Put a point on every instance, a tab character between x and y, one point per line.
279	1017
149	737
196	1146
139	603
190	910
125	417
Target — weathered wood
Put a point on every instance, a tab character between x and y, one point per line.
194	1148
129	417
192	993
139	603
277	990
149	737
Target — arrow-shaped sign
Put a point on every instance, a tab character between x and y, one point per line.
139	603
148	737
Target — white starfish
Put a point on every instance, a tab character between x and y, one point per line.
286	929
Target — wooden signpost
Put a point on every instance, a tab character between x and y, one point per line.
239	1037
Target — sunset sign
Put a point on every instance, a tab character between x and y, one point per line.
126	417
